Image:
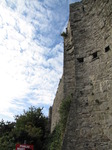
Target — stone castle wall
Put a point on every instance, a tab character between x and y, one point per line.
67	83
55	108
88	76
69	64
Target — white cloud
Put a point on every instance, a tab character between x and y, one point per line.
29	69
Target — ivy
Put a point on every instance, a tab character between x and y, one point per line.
64	111
55	139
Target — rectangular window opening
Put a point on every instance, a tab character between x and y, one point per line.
95	55
83	8
80	60
107	49
72	33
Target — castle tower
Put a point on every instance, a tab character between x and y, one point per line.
89	125
87	75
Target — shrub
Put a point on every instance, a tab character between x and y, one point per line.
64	34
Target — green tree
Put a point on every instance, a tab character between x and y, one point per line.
31	127
6	136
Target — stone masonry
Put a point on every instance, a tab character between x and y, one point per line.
55	108
87	75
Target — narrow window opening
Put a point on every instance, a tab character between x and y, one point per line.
87	144
80	60
86	104
72	33
107	49
83	8
95	55
66	30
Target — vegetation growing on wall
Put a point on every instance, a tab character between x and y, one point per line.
55	139
64	34
64	111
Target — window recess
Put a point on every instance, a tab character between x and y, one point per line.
80	60
95	55
107	49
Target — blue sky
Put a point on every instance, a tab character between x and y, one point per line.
31	53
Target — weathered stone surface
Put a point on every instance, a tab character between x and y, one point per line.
88	76
54	115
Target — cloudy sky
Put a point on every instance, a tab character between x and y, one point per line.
31	53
